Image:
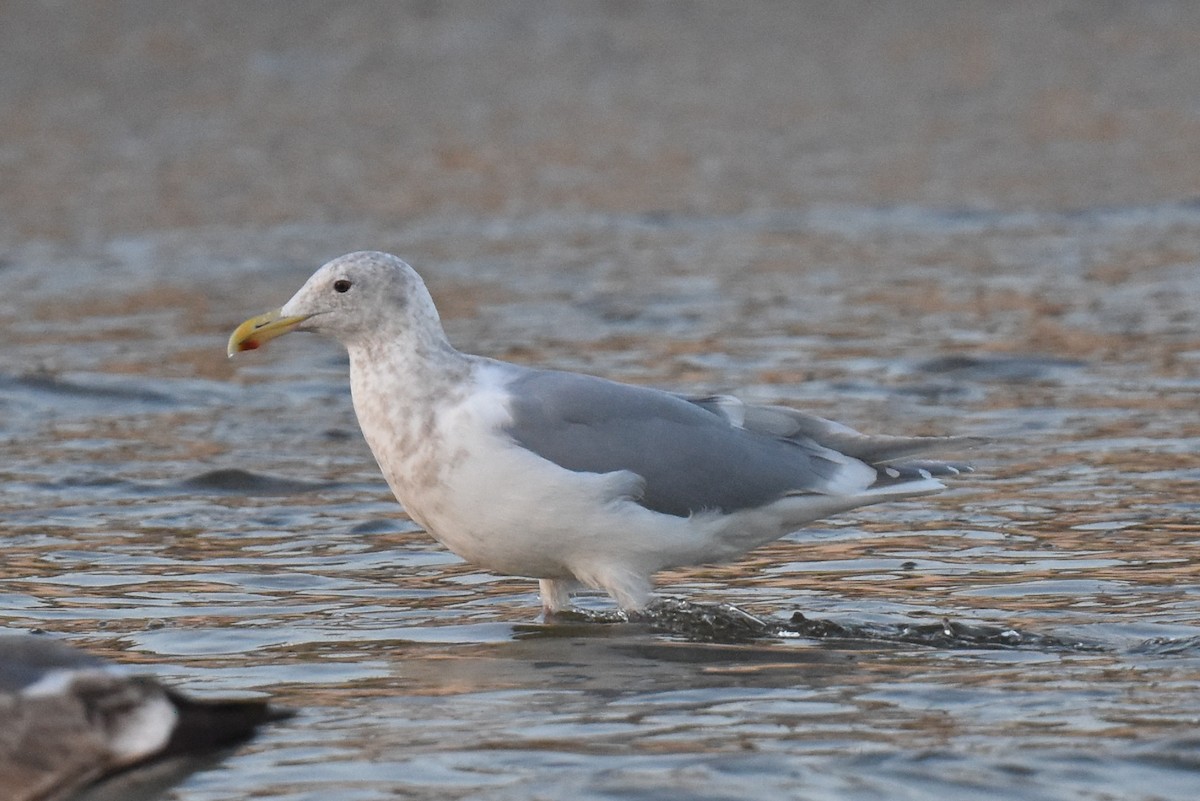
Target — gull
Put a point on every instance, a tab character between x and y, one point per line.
575	480
72	719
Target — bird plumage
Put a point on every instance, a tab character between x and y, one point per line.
573	479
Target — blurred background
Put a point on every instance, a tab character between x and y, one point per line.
919	217
127	118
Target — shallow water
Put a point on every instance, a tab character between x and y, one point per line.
964	218
222	524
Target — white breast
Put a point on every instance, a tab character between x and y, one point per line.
456	471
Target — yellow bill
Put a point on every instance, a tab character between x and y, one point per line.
255	332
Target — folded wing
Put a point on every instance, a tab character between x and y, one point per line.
703	454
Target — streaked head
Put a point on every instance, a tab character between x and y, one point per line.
352	298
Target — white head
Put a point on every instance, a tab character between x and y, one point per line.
357	298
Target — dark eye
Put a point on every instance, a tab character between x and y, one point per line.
341	285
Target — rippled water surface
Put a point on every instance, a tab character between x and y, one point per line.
966	223
223	524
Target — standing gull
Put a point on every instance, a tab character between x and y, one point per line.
571	479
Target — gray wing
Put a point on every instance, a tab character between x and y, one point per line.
874	449
691	456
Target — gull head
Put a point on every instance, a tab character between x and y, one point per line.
354	298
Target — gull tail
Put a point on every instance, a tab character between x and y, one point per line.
916	472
